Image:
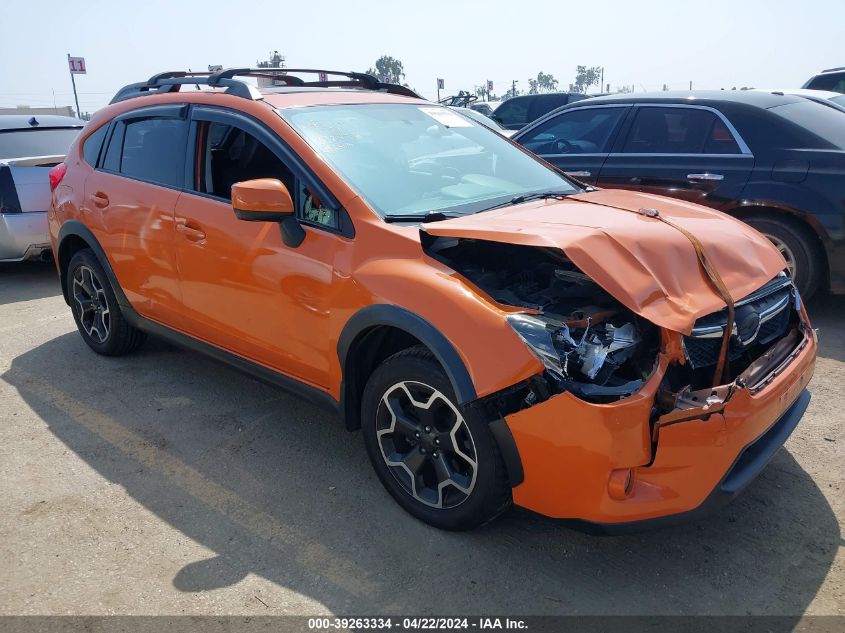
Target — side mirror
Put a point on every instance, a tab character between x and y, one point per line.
261	200
268	200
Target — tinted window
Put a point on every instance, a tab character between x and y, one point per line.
513	112
543	104
582	131
825	122
36	142
835	82
678	131
230	155
92	145
111	162
154	150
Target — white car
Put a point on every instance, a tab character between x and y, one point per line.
484	120
29	147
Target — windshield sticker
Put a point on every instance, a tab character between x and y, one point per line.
446	117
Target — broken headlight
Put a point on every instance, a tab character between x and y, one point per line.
587	357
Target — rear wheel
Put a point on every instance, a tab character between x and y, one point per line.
95	309
798	247
438	461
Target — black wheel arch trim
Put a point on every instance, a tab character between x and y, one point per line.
419	328
445	353
74	228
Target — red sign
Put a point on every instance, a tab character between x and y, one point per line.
324	76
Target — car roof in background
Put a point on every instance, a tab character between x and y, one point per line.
22	121
747	97
802	92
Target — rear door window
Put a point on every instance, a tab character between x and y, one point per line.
154	150
667	130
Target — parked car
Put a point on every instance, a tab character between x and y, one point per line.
476	115
29	147
825	97
775	161
498	333
517	112
832	79
484	107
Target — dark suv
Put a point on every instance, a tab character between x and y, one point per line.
776	161
517	112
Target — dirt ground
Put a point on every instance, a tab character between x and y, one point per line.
166	483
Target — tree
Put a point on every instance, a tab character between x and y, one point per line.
388	69
485	95
513	91
543	83
586	77
276	61
623	89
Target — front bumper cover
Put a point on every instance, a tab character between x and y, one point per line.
569	448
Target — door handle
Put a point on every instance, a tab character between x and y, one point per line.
578	174
703	177
193	233
100	200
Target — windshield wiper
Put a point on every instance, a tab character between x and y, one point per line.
542	195
431	216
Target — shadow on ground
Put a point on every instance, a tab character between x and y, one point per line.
277	488
24	281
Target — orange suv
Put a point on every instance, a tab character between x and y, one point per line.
500	333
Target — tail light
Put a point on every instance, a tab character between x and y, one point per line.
56	174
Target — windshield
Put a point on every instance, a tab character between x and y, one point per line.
416	159
36	142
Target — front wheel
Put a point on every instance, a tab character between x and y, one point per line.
439	462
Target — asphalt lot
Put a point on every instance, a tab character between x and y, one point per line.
166	483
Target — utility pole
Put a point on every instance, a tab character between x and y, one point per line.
690	84
602	79
513	87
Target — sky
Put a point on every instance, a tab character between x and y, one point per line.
640	43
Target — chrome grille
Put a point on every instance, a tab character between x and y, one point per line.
760	318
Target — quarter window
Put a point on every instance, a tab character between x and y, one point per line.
679	131
92	145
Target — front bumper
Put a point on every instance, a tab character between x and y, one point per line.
569	449
23	236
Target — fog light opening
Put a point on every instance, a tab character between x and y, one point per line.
621	483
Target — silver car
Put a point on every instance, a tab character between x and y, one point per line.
30	145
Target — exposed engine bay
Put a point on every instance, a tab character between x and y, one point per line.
590	344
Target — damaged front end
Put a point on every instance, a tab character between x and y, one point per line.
589	343
600	351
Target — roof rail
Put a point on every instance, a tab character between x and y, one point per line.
460	100
830	70
171	81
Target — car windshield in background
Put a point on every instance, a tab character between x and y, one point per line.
416	159
825	122
839	100
36	142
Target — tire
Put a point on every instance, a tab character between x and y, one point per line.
95	309
450	449
799	248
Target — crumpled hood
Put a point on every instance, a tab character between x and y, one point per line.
649	266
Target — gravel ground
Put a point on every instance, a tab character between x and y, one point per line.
167	483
